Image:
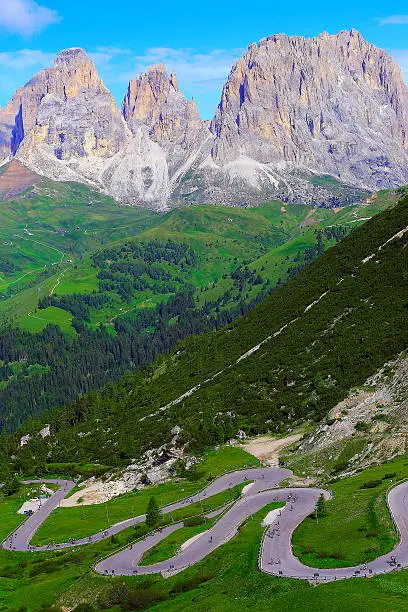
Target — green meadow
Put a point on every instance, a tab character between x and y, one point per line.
229	578
48	235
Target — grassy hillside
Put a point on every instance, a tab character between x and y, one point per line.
48	228
227	579
126	285
51	231
321	333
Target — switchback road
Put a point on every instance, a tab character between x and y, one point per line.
276	556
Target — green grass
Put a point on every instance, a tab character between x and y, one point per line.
81	521
230	580
358	526
66	222
322	462
54	223
36	321
227	580
168	547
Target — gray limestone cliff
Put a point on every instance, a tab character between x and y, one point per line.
333	105
320	120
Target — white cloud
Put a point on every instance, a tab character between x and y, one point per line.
393	20
200	75
25	17
25	58
18	67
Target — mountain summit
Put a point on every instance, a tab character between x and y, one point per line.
331	104
292	109
154	102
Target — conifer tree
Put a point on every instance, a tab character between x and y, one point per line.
321	506
153	513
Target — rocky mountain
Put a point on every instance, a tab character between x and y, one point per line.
64	116
154	104
317	120
333	104
67	126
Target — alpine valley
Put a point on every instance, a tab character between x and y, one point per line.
204	337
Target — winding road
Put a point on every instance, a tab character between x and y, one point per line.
276	556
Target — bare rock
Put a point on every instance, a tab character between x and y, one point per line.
292	109
333	105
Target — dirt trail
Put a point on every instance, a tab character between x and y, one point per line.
269	449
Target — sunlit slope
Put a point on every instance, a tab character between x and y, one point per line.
289	359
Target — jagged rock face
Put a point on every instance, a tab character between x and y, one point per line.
8	116
66	125
68	108
332	104
154	103
291	108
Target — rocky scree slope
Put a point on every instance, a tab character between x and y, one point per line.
292	109
370	425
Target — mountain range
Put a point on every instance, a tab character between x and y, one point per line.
320	120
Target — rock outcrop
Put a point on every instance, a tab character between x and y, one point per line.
320	120
67	109
67	126
155	104
369	426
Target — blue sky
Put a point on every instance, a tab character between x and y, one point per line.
200	40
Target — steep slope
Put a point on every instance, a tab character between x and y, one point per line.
71	258
332	104
369	425
288	360
15	179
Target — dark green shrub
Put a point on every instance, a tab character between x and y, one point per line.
340	466
380	417
143	598
193	521
362	426
11	486
190	583
153	513
371	484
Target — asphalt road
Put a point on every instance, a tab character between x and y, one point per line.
276	556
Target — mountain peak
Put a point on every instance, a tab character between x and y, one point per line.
150	93
157	78
72	54
333	103
157	67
